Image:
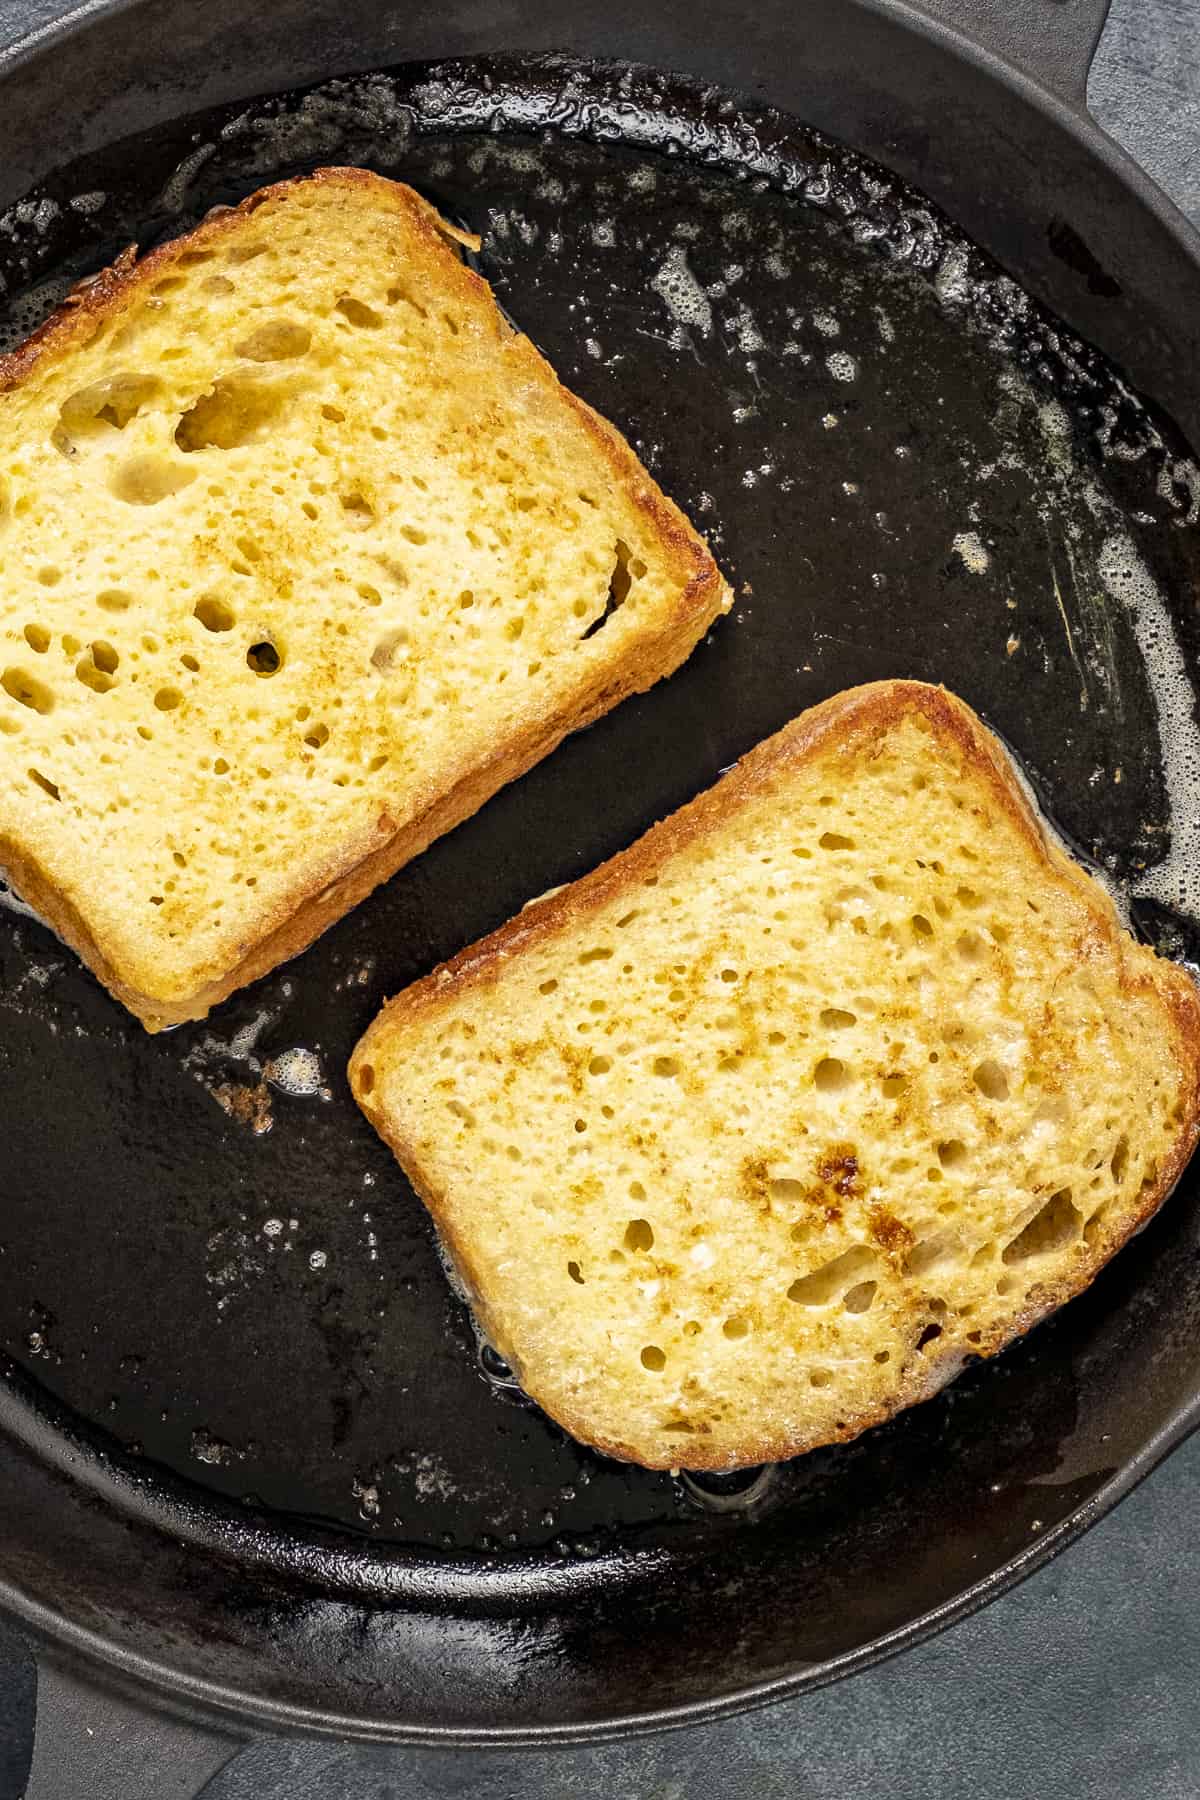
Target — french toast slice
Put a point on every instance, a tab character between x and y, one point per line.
840	1076
304	552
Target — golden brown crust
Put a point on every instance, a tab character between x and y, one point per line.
845	725
29	881
350	875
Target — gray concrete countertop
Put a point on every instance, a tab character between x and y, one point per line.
1083	1682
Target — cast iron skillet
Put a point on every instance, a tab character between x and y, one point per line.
252	1452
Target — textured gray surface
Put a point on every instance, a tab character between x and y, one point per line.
1145	90
1081	1683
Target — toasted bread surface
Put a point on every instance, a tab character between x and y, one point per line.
842	1075
305	552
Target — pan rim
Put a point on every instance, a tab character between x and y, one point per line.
65	1638
1077	121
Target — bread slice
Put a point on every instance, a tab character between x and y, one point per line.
843	1074
305	553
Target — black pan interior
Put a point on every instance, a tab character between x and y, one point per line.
219	1301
